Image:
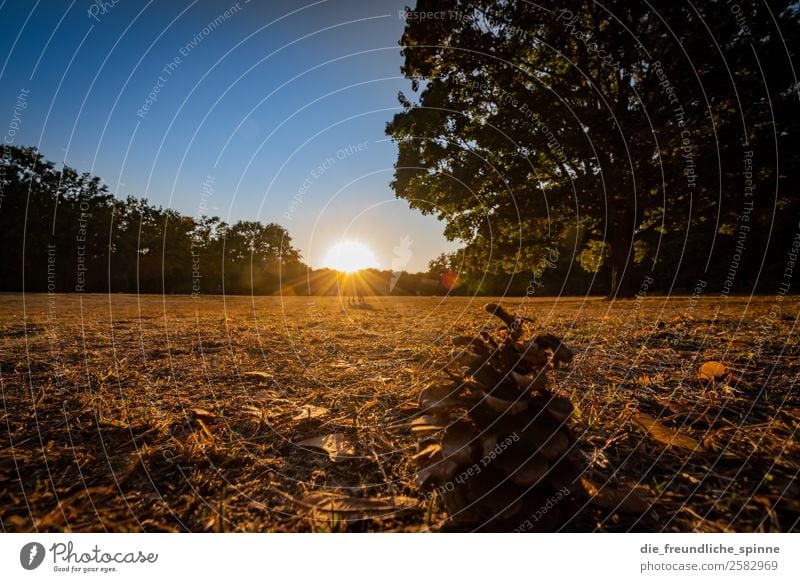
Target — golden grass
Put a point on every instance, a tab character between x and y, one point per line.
150	413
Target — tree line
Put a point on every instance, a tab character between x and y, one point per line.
64	232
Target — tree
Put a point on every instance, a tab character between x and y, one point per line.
440	264
259	257
63	231
610	130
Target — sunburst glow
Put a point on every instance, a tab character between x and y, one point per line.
350	256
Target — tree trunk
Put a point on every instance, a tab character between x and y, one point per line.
621	287
623	225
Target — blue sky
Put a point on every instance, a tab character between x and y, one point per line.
280	106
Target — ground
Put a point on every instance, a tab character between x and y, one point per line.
150	413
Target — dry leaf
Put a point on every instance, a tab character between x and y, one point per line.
310	411
203	413
666	435
263	395
616	498
338	446
426	424
711	371
356	508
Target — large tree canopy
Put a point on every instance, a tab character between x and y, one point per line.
648	140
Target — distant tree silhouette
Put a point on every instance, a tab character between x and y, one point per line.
65	232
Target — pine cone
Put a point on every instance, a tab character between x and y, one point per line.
496	447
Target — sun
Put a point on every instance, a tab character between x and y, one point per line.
349	257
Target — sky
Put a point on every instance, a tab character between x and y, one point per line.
248	110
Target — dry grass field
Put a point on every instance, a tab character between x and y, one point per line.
150	413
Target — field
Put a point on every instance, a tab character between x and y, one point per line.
150	413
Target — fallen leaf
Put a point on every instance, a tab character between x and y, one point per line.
666	435
711	371
356	508
203	413
338	446
310	411
263	395
426	424
616	498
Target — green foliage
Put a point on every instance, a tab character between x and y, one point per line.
593	255
612	130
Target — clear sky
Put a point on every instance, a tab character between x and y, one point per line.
278	107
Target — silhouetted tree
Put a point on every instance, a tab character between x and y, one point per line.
64	231
612	131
